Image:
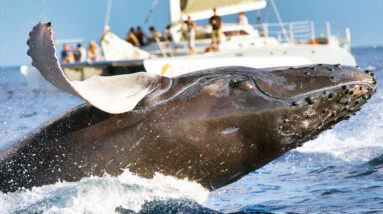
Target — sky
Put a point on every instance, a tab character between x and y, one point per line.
85	19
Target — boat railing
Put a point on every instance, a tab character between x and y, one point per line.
291	32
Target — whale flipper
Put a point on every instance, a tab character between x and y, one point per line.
117	94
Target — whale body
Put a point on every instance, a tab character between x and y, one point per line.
213	126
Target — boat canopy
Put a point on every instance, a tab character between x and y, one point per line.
116	49
202	9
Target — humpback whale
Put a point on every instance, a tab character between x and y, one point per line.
213	126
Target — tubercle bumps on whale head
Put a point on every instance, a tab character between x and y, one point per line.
320	98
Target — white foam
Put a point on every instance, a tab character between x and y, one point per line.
359	139
102	195
352	148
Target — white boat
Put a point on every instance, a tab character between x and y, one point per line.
262	45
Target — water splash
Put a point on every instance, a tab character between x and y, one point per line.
101	194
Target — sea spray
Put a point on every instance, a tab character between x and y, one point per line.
101	194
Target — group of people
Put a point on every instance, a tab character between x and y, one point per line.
80	54
138	38
216	25
189	30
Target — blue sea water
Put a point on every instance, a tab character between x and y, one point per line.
339	172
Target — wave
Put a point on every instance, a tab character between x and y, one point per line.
376	161
170	206
102	194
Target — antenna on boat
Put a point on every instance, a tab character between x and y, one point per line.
108	12
276	11
152	8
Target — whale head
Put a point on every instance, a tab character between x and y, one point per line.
314	98
265	112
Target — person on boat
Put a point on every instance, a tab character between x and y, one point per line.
216	25
66	54
242	19
94	52
190	33
168	34
132	38
168	40
155	35
141	36
79	53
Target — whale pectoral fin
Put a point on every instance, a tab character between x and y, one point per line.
117	94
43	54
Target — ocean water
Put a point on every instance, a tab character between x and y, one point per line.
339	172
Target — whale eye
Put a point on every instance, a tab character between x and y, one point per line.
241	84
